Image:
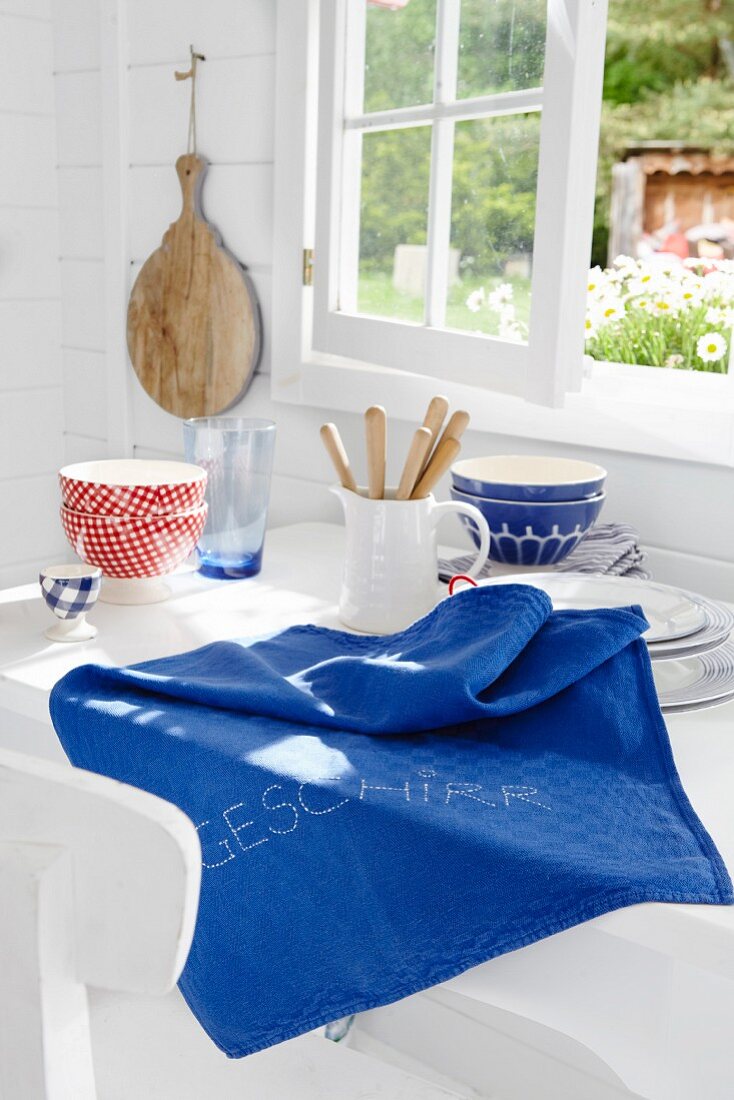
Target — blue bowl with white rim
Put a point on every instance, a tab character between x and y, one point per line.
70	591
529	477
524	532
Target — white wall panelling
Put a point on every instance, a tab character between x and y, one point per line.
82	448
217	28
25	76
29	145
237	199
27	9
78	118
31	334
32	528
31	428
76	35
34	443
82	294
85	392
81	234
234	108
28	253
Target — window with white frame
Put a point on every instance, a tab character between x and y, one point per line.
464	170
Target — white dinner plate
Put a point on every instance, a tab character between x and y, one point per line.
696	681
720	624
691	708
671	612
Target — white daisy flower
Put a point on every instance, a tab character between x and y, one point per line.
674	361
711	347
475	301
596	281
610	309
500	296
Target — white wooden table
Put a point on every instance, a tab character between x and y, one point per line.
637	1002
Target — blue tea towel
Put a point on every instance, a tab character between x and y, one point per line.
379	814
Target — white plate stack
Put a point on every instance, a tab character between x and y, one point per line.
689	639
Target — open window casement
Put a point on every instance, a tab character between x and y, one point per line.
394	283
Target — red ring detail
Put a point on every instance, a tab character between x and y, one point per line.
461	577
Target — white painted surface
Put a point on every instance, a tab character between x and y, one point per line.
634	1003
31	417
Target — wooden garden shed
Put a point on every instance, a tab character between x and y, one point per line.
661	188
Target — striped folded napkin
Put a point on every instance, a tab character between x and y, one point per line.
609	548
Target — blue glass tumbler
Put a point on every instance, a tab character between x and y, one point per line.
237	455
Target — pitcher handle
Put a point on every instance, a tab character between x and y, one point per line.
440	510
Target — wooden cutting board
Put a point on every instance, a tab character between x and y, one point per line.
193	323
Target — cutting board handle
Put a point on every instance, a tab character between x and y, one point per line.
190	169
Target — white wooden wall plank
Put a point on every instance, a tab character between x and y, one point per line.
82	295
27	9
26	572
80	448
295	500
26	83
28	254
31	354
76	35
31	504
78	119
85	393
80	213
237	199
235	103
217	28
30	442
28	177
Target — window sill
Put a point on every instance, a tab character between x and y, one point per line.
683	415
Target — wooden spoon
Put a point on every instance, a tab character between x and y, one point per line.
435	415
375	424
457	425
419	448
441	459
338	455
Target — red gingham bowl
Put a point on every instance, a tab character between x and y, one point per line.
132	487
133	546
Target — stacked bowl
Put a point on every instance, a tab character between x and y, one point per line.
538	509
135	519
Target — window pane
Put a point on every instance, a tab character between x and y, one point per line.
501	46
393	218
492	224
399	52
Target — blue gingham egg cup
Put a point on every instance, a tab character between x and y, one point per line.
70	591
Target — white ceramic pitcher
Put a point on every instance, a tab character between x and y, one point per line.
391	558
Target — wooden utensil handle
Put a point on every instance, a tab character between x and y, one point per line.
338	455
438	406
457	425
375	420
442	458
190	169
419	448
